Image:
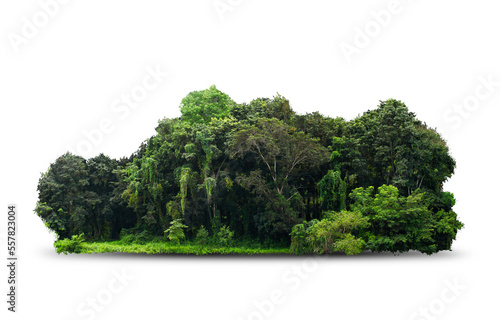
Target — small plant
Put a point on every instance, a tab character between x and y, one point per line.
73	245
127	236
224	236
175	232
202	236
299	235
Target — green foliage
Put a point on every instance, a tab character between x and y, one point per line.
183	181
73	245
202	236
253	172
173	210
381	221
135	236
350	244
224	236
279	151
332	191
331	234
201	106
299	235
390	146
400	224
54	220
446	228
334	233
186	248
175	232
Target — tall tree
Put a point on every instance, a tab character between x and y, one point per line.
282	151
202	106
61	194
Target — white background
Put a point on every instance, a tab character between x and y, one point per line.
431	55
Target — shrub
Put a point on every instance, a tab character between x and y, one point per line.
224	236
175	232
330	234
299	234
202	236
73	245
128	236
350	244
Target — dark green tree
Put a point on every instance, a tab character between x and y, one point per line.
62	194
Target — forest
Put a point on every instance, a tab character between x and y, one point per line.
258	178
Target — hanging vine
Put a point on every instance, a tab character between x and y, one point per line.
183	181
332	190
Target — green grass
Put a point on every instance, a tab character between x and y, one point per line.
165	247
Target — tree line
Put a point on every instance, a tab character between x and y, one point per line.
265	174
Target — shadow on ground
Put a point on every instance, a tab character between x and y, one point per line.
366	255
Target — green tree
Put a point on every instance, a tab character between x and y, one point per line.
202	235
332	191
334	233
176	232
61	194
202	106
400	224
282	152
224	236
102	179
281	149
389	145
300	243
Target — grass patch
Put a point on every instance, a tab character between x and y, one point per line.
166	247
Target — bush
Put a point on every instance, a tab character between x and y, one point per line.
175	232
330	234
224	236
299	234
350	245
202	236
128	236
73	245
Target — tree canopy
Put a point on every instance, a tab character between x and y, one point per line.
259	172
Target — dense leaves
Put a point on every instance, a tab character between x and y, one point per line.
259	173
